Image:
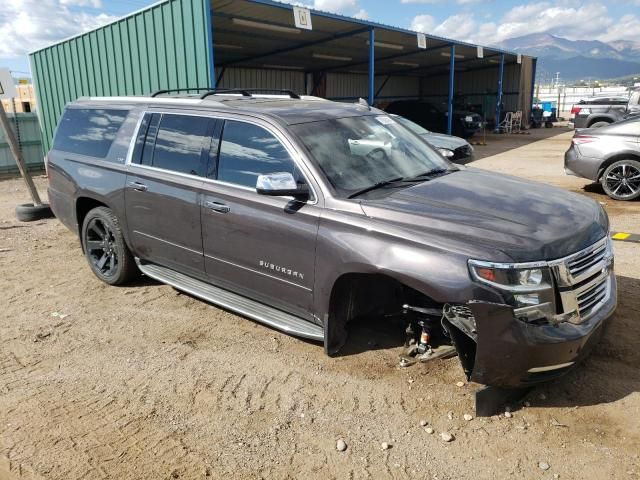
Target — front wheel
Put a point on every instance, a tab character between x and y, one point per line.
599	124
105	248
621	180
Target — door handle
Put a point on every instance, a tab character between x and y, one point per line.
217	207
137	186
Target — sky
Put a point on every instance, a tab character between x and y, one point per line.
29	24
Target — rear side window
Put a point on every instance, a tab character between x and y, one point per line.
247	151
178	143
88	131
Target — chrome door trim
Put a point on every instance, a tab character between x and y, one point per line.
199	252
259	272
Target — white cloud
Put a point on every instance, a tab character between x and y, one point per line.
344	7
26	25
82	3
361	14
564	18
423	23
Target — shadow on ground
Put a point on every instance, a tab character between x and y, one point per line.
501	143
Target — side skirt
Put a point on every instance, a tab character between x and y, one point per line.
244	306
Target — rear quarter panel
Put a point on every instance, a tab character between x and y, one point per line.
73	176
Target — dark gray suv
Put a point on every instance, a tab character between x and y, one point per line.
306	214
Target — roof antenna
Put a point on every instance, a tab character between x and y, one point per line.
362	102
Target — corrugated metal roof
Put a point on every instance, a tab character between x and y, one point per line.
320	18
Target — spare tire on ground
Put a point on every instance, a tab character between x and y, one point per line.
28	212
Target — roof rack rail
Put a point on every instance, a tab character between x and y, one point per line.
213	91
291	93
172	90
246	92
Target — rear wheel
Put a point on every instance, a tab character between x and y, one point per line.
105	248
621	180
599	124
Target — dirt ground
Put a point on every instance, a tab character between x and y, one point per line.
142	382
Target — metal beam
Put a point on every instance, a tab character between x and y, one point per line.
222	70
534	65
383	85
209	45
435	66
452	71
372	62
499	93
382	59
300	46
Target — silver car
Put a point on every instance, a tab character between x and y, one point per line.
609	155
452	148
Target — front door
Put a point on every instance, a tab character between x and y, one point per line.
163	190
260	246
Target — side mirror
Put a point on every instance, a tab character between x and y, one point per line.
281	184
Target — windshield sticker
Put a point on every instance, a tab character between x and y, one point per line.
385	120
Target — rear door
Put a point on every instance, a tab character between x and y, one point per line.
262	247
163	189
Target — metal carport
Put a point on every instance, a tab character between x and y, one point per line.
256	44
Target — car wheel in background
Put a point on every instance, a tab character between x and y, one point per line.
105	247
621	180
599	124
28	212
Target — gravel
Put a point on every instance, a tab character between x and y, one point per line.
446	437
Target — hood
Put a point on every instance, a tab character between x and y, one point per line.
522	220
440	140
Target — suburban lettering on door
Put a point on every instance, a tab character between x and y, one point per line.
285	270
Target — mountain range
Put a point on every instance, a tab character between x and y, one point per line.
578	59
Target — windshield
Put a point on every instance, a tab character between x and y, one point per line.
414	127
356	153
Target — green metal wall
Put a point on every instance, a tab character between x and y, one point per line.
165	46
25	127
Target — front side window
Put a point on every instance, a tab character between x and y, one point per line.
91	132
247	151
357	153
179	143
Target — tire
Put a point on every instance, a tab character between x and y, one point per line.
599	124
28	212
621	180
105	248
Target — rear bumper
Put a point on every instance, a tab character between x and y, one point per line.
579	166
512	353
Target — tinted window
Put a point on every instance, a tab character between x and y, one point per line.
88	131
179	143
247	151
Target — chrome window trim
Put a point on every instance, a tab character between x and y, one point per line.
296	156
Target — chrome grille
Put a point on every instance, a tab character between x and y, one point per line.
587	262
583	279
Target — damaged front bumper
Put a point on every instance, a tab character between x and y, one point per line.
505	351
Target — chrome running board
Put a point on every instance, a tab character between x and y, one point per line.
244	306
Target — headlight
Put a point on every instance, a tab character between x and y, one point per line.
445	152
523	285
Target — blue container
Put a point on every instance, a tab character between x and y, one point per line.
546	106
